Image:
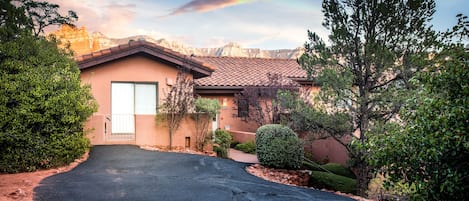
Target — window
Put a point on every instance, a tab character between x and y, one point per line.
145	98
243	108
134	98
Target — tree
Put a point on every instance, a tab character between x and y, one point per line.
374	49
177	104
307	117
43	105
433	139
260	100
31	16
205	110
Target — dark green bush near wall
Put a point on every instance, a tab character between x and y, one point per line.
278	146
339	170
222	143
247	147
332	181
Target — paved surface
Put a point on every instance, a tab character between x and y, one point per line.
240	156
129	173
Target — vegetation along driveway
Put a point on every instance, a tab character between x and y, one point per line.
129	173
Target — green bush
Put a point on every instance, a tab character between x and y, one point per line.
331	167
233	144
278	146
43	105
332	181
247	147
222	143
339	170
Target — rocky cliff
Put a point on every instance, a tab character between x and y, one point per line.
83	42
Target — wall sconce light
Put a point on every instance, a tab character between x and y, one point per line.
225	102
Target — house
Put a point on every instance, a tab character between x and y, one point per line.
233	74
129	82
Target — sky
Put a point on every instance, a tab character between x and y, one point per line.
264	24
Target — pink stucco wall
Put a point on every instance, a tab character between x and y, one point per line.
242	137
228	116
132	69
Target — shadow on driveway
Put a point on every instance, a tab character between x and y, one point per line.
130	173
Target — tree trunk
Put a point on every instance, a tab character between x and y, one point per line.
363	178
170	139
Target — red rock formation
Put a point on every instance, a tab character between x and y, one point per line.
78	38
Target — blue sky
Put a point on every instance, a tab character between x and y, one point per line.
265	24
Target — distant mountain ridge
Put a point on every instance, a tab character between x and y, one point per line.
82	43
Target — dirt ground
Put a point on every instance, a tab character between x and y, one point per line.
19	187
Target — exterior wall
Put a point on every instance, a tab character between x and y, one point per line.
228	118
242	137
131	69
328	151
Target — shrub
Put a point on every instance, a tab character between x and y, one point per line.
339	170
205	110
43	105
222	143
31	153
233	144
247	147
332	181
278	146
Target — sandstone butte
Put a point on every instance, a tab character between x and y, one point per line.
78	38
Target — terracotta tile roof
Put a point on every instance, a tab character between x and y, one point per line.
239	71
198	68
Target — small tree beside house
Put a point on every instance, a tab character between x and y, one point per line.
177	104
205	110
259	103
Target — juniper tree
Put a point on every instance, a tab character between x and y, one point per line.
374	48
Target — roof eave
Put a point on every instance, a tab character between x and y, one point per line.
198	70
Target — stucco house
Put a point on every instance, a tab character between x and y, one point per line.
130	81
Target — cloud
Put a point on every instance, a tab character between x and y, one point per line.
205	6
112	18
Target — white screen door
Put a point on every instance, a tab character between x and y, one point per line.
122	108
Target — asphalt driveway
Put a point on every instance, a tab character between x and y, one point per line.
129	173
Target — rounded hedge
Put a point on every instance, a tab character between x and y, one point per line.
278	146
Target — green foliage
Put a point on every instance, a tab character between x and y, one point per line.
247	147
205	110
233	144
334	168
332	181
222	143
29	16
339	170
306	118
43	105
279	147
375	48
205	105
433	143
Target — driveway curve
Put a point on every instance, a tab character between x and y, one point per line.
130	173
